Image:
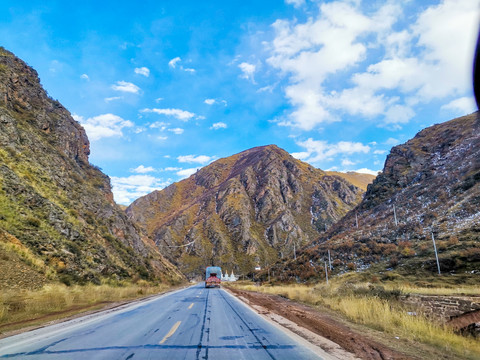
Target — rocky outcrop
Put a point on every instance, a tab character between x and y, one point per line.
430	186
59	207
245	210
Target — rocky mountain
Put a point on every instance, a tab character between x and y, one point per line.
429	185
245	210
58	220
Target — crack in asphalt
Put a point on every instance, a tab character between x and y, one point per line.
199	346
22	355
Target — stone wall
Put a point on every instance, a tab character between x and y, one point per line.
442	308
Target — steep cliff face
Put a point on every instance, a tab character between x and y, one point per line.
430	184
55	208
245	210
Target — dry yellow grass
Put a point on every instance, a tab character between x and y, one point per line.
380	314
460	290
16	306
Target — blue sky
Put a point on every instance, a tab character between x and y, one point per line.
163	88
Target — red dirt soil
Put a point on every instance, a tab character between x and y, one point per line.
323	325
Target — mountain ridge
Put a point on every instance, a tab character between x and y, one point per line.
57	210
249	204
429	187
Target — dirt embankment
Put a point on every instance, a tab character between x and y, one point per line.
322	324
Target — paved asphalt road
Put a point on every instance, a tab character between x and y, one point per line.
194	323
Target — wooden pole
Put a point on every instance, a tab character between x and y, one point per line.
436	254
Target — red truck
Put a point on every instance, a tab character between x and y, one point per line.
212	276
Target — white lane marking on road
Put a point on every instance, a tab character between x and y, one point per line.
171	332
191	305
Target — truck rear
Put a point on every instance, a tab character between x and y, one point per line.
212	276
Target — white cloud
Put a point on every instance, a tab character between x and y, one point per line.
158	99
177	131
143	71
398	114
128	189
85	77
428	59
103	126
142	169
319	150
302	155
214	101
160	137
347	162
392	141
268	88
139	129
379	152
248	70
295	3
461	106
187	172
159	125
218	125
113	98
367	171
448	33
201	159
173	63
177	113
170	168
126	87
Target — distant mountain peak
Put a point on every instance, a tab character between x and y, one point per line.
252	207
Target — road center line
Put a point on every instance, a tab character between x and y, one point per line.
191	305
171	332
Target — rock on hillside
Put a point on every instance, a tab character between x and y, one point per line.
244	210
56	210
433	181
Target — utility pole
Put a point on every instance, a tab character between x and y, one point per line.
326	272
329	260
356	220
395	215
436	254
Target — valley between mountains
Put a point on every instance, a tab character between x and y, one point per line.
271	219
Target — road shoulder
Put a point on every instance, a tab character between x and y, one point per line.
334	337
